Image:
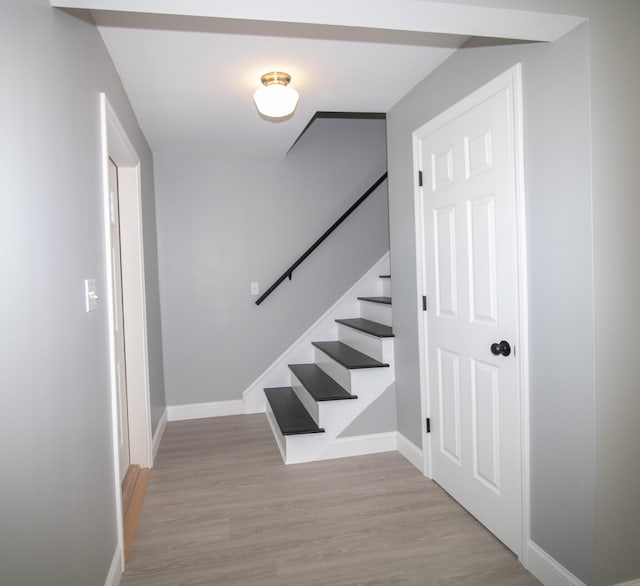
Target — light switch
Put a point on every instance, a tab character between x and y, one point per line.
255	290
90	295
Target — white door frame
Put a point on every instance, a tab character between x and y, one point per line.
117	146
511	80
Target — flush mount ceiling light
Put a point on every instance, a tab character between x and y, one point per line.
276	99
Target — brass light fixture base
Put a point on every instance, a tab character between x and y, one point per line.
275	77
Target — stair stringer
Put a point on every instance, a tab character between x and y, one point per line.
325	328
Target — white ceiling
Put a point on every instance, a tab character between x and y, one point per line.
191	80
190	67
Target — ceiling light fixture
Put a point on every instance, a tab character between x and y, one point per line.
276	99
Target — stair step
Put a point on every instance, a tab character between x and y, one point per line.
383	300
347	356
319	384
368	327
290	414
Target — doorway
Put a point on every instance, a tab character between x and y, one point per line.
472	267
121	161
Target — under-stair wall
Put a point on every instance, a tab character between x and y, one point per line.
332	374
226	221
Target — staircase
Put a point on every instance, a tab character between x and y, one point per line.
318	399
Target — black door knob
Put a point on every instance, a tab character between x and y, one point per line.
503	348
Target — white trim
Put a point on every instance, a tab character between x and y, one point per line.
117	146
104	140
511	80
203	410
410	451
402	15
112	382
157	436
547	569
116	568
114	143
360	445
523	310
419	313
134	306
324	328
632	583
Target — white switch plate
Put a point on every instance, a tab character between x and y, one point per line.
255	290
90	295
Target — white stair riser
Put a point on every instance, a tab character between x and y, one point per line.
386	287
306	399
379	348
295	449
356	381
380	312
298	447
336	371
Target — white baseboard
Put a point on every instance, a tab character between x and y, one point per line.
157	435
202	410
410	451
547	569
115	571
360	445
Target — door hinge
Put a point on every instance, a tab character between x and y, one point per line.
428	424
420	178
424	303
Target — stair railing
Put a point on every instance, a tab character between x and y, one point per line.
289	272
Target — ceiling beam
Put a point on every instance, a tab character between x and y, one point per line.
400	15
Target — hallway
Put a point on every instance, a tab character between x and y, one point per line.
221	508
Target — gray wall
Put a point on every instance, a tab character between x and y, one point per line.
379	417
615	141
615	89
57	518
558	197
224	222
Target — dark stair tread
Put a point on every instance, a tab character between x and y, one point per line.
347	356
368	327
319	384
384	300
290	414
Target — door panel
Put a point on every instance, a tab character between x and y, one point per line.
449	392
446	260
482	259
485	397
470	254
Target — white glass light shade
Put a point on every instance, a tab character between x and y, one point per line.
276	100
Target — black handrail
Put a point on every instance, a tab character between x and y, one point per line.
320	240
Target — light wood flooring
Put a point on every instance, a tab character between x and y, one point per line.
134	487
222	508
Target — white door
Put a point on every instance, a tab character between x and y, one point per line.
470	254
118	325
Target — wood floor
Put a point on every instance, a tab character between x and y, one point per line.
221	508
134	488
